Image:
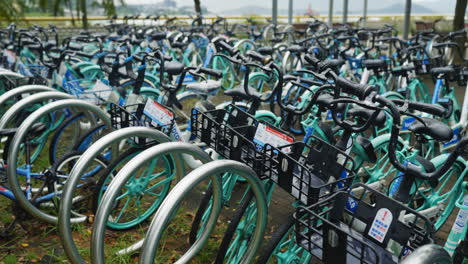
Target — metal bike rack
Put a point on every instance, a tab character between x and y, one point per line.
111	139
21	134
35	98
11	74
24	89
113	190
172	201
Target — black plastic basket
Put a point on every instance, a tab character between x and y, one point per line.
309	172
361	227
132	115
230	133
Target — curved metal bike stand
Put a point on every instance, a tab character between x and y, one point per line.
20	136
88	156
114	188
11	74
35	98
24	89
172	201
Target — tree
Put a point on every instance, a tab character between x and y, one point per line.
459	18
198	11
11	9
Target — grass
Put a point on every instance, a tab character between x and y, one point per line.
31	241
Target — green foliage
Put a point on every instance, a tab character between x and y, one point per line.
11	10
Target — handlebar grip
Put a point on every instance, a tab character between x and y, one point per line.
258	57
223	45
212	72
359	90
311	59
433	109
458	33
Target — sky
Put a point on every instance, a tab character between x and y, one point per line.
321	5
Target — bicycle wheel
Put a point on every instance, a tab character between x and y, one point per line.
240	230
204	209
446	192
55	181
68	131
92	135
237	236
142	194
282	247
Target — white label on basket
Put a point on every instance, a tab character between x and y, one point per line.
266	134
382	221
158	113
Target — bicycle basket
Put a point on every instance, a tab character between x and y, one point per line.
37	73
230	134
362	226
98	94
132	116
309	172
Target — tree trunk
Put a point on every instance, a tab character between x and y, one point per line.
459	23
71	12
198	11
459	18
85	14
56	7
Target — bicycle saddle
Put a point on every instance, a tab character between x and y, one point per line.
324	101
276	40
239	92
365	113
443	70
433	128
208	86
296	49
328	132
174	67
267	50
158	36
368	148
374	64
179	45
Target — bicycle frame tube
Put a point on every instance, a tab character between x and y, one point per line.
438	86
464	113
7	193
460	226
